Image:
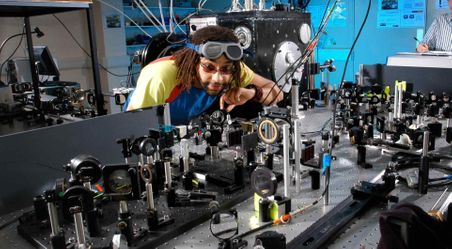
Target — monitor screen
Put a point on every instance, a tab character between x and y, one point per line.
45	65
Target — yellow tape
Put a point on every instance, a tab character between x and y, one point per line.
257	198
274	210
402	83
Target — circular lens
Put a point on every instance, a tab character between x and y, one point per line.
268	131
147	146
85	168
218	117
120	182
263	182
374	100
120	99
223	225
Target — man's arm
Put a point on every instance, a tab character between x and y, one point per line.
422	48
269	94
429	38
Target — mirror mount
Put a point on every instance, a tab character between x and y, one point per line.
232	243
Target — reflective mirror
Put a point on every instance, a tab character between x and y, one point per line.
263	182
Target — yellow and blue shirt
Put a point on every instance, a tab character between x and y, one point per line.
157	85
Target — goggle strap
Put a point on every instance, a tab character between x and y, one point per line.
196	48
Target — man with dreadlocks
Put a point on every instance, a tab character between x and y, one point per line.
192	79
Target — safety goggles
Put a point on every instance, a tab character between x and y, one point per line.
212	50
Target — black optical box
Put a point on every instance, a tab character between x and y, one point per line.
268	29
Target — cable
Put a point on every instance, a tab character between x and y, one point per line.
201	4
263	226
312	44
184	20
9	38
449	177
354	42
442	184
324	13
445	157
304	6
345	69
171	16
12	54
144	8
284	218
161	16
323	18
306	54
319	131
178	26
404	162
303	58
86	52
235	6
433	183
130	82
59	169
200	7
9	222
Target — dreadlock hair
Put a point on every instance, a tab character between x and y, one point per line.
187	60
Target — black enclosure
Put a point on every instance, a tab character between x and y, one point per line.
424	79
31	161
44	61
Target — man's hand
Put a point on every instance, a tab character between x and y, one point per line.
236	96
422	48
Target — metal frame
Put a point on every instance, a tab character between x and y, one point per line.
29	8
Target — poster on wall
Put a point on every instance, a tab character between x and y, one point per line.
337	19
113	21
401	13
441	4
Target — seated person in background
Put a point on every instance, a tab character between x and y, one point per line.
439	35
192	79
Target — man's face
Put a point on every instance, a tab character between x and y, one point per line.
215	75
450	5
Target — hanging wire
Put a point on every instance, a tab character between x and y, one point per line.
146	11
345	68
303	58
12	54
161	16
84	50
171	13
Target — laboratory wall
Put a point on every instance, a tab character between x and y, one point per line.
374	45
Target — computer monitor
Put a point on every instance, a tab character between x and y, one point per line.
45	64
